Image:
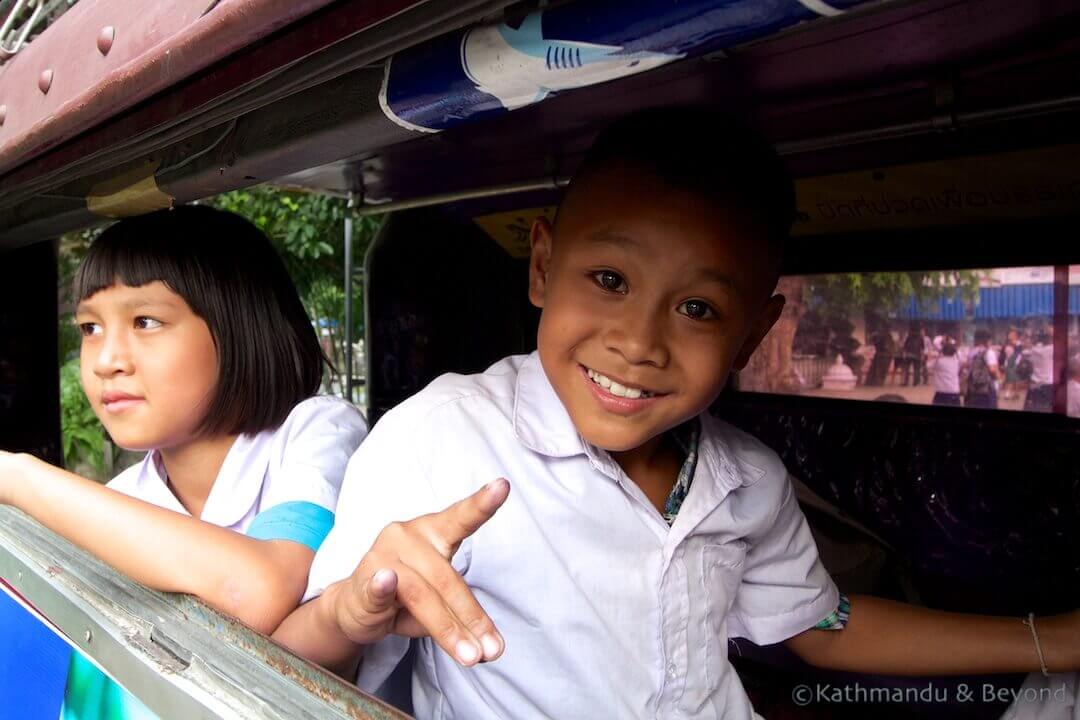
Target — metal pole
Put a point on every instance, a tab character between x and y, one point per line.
458	196
1061	338
348	299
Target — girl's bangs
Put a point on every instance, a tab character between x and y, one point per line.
115	259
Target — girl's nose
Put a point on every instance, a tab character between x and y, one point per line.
114	357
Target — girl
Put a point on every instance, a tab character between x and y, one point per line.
196	349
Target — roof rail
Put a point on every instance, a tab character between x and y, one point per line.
12	38
178	656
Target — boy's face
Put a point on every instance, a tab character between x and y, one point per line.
650	296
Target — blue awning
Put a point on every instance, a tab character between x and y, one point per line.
994	303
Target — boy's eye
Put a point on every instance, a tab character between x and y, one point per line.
88	329
697	309
147	323
609	280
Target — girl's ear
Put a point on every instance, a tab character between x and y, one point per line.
540	239
768	316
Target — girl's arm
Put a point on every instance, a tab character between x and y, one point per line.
258	582
890	638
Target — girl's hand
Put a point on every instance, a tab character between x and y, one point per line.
405	585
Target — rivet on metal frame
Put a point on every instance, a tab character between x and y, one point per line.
105	39
3	114
45	80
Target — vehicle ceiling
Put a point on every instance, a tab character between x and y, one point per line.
892	83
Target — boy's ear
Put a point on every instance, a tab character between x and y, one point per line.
540	239
768	316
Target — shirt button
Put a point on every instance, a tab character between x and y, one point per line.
672	671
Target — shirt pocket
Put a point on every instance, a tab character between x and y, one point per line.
721	574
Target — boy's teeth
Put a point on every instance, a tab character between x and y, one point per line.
615	388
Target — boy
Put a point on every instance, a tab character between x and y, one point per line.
642	533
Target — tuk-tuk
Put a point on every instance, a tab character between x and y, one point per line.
936	152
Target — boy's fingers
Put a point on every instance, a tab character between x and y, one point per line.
465	517
455	594
380	591
426	606
370	607
405	624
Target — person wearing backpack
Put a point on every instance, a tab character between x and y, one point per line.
983	373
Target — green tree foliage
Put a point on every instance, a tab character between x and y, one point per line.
884	293
308	232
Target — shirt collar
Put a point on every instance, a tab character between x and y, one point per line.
543	425
235	491
541	421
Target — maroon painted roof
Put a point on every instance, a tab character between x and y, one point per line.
154	46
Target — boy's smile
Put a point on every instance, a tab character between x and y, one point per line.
650	296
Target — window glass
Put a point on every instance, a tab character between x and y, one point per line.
981	338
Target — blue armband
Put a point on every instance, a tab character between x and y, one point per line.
301	522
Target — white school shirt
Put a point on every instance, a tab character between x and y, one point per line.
301	461
945	370
606	611
1042	364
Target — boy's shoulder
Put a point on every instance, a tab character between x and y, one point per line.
755	463
478	395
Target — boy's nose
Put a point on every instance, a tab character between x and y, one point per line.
639	337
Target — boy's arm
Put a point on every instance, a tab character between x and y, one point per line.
891	638
256	581
404	585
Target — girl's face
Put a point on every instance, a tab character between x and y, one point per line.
149	365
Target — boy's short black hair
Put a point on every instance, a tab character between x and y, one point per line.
982	337
226	270
706	152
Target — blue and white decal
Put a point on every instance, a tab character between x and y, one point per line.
493	69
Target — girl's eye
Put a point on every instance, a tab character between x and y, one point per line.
89	329
697	310
610	280
147	323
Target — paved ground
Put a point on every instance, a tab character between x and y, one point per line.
922	394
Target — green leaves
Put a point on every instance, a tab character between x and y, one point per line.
82	433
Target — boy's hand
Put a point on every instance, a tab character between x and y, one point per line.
405	585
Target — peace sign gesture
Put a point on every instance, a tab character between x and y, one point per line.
405	584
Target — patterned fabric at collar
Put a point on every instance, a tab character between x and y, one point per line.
687	436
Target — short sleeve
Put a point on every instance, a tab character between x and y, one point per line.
307	466
785	589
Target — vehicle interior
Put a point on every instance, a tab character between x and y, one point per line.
930	135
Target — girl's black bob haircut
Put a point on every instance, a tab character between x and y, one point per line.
226	270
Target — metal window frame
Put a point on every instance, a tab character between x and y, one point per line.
178	656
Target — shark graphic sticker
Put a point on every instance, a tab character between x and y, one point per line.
493	69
